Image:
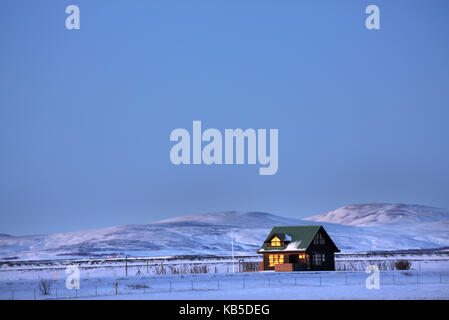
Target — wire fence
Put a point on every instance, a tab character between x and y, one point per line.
147	285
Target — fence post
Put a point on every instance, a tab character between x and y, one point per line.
417	277
12	294
96	289
170	286
320	281
346	279
295	281
76	292
126	266
116	288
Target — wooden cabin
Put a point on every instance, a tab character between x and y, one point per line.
298	248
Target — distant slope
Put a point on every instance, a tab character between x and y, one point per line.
410	224
379	229
382	214
208	233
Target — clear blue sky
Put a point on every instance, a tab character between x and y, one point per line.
85	115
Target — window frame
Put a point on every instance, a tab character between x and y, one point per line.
319	239
274	259
318	259
278	241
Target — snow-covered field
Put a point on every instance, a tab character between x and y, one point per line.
428	284
174	278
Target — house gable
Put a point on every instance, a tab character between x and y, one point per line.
323	240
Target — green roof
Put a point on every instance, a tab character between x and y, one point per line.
297	237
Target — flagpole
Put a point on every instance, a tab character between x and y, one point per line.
232	241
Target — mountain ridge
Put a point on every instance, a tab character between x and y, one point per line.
380	214
210	234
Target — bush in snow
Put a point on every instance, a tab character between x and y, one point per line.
403	265
45	287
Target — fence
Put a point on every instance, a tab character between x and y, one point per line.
148	285
131	266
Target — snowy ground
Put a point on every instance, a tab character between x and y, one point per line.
97	284
213	278
397	292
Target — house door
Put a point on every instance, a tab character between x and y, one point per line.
292	258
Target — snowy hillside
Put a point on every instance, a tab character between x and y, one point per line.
414	226
357	228
382	214
196	234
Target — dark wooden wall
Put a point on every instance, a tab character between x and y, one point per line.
327	249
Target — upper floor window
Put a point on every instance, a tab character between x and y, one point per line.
275	242
319	239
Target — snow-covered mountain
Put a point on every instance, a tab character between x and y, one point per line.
412	226
354	228
382	214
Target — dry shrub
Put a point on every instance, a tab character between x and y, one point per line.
187	269
137	286
250	266
45	287
403	265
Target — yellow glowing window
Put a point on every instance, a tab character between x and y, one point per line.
301	256
275	242
275	259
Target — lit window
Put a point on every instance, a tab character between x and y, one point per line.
275	259
301	256
275	242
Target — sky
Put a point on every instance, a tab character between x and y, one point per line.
86	115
